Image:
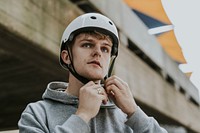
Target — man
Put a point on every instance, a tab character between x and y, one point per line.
92	101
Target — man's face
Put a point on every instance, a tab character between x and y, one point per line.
91	56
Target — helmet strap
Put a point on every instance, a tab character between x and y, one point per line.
79	77
73	71
111	65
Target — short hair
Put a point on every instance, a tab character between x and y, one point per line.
95	33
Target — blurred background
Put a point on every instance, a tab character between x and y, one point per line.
149	57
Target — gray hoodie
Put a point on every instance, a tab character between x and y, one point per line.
56	114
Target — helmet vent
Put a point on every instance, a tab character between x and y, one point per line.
110	23
93	17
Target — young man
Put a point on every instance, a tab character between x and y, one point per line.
88	46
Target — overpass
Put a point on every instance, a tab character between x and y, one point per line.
30	33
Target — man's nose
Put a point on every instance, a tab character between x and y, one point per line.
97	51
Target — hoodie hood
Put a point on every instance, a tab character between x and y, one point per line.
56	91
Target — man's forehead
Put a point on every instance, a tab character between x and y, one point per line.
92	37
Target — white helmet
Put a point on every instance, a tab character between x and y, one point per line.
90	22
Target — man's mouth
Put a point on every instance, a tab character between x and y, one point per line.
95	62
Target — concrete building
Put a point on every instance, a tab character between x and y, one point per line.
30	33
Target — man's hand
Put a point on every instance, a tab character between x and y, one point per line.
120	93
91	96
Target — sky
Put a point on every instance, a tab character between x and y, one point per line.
184	15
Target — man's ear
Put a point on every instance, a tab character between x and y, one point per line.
65	57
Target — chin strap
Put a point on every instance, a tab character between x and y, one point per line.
111	66
79	77
73	71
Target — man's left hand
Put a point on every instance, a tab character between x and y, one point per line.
120	93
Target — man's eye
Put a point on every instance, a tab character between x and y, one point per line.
87	45
105	50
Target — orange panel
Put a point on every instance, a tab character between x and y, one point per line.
151	8
189	74
171	46
154	9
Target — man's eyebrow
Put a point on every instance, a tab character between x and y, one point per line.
91	40
86	39
107	44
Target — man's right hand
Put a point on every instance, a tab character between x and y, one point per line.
91	96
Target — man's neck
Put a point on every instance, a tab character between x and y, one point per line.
74	86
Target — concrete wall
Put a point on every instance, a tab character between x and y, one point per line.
11	131
39	21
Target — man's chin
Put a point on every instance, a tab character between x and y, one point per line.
96	79
94	76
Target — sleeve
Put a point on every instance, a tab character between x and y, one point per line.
32	123
141	123
73	125
29	124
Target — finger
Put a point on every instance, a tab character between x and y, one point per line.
111	78
116	82
101	91
103	98
96	89
113	90
90	87
93	86
119	79
90	83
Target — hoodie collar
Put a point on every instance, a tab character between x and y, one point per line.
56	91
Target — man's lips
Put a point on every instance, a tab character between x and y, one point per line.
95	62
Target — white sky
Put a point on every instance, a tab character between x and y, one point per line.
184	15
